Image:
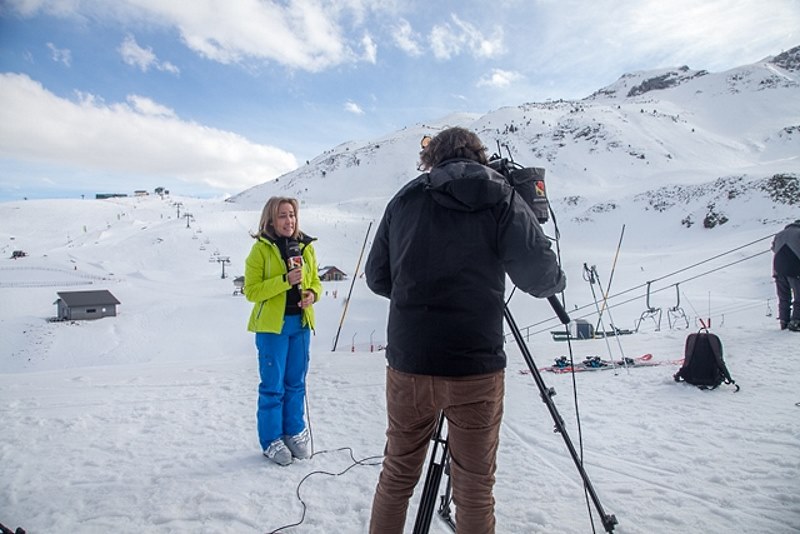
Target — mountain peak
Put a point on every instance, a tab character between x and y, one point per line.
789	60
669	79
641	82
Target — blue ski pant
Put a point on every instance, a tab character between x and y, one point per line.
283	364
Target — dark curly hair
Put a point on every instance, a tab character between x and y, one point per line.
450	144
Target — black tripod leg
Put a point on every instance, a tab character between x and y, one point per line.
427	503
445	512
547	397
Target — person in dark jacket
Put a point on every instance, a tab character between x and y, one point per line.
786	271
441	254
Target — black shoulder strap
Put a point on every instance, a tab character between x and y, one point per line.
687	356
716	348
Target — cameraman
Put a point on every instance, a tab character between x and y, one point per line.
441	254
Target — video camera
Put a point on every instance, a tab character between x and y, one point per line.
527	181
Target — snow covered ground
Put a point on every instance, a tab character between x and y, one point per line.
146	421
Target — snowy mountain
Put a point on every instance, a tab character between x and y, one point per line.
146	421
716	141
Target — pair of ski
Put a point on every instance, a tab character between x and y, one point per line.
595	363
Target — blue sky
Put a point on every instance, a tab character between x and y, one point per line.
210	97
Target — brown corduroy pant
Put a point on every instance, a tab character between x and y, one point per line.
473	406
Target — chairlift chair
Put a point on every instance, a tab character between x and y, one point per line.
650	313
676	311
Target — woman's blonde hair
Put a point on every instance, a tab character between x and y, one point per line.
270	213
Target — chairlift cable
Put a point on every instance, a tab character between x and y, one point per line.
710	271
690	267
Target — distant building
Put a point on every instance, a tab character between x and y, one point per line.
76	305
141	193
330	273
101	196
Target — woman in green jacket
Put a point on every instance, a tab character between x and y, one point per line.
281	278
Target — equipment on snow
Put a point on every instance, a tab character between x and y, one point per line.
595	363
703	364
560	335
440	460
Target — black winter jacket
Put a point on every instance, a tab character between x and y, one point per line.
440	255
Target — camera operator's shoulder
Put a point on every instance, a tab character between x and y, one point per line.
417	184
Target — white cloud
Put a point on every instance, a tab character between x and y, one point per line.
135	55
370	49
353	108
168	67
143	58
448	40
302	34
444	42
60	55
140	137
146	106
406	39
499	78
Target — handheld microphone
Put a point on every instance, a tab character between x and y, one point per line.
294	258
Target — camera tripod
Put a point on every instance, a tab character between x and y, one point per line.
440	458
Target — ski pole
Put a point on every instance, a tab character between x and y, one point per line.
615	330
611	276
352	283
591	276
